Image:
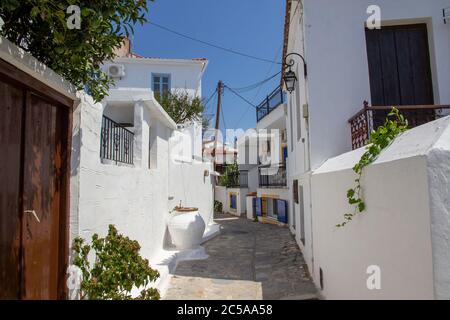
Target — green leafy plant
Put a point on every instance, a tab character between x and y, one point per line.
41	28
379	139
118	267
218	206
181	107
228	179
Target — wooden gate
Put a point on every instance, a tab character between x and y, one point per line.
35	139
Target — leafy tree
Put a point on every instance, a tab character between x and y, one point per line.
181	107
231	176
117	269
46	29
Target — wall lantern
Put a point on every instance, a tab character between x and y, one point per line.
290	78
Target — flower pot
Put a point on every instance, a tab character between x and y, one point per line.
186	228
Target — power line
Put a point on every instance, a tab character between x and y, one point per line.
256	85
237	94
213	45
270	68
209	98
223	118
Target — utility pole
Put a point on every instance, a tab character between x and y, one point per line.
219	95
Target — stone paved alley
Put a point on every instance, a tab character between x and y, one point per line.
248	260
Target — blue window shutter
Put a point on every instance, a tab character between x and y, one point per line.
282	211
258	206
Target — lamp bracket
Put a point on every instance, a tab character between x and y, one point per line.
291	62
446	15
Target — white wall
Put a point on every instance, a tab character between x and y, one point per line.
279	193
190	181
135	198
221	196
184	74
335	50
331	37
404	229
439	193
241	201
394	232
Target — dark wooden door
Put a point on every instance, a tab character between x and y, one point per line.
41	198
11	110
399	68
34	188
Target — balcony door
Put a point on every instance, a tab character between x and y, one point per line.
399	68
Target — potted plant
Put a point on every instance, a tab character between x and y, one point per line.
186	227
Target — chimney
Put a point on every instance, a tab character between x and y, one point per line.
124	50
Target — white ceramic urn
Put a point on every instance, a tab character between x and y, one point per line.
186	228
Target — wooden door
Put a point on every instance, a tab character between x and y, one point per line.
41	198
11	110
399	68
34	132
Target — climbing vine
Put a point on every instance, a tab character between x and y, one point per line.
379	139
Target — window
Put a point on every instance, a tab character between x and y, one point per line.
160	83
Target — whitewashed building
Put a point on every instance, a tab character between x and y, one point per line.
272	202
355	73
132	164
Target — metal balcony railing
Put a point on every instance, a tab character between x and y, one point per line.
273	176
269	104
371	117
116	142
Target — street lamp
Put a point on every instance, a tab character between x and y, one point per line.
290	77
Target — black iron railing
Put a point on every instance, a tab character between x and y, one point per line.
116	142
269	104
238	179
272	176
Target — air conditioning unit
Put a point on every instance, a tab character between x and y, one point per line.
116	70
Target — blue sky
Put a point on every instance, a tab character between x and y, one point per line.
254	27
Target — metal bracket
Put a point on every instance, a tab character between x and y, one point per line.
446	15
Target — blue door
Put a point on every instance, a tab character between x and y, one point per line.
282	210
233	201
258	206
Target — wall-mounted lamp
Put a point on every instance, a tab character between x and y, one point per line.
290	78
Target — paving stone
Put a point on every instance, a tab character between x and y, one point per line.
247	260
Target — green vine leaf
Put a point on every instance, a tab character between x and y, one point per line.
380	139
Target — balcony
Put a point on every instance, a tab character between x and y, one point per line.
273	176
269	104
371	117
116	142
